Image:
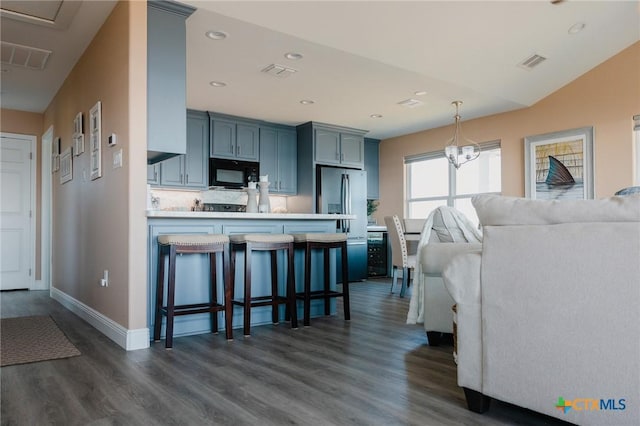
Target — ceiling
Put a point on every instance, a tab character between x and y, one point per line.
359	58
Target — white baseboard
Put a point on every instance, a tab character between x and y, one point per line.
130	340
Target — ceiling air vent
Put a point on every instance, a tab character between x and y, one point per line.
24	56
279	71
532	61
411	103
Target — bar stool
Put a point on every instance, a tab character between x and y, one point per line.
309	242
272	243
170	245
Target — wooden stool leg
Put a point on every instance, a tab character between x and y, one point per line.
213	300
157	326
327	280
228	291
171	290
307	285
247	290
291	287
345	283
275	315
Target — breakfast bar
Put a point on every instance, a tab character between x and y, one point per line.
192	271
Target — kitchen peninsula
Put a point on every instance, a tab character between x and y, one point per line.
192	271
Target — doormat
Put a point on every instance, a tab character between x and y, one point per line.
32	339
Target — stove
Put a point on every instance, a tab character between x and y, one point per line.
218	207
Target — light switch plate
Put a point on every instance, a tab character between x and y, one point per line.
117	159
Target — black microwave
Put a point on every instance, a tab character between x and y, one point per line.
232	173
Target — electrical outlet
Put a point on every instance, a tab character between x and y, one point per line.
104	282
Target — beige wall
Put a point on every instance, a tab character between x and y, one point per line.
95	223
607	97
29	123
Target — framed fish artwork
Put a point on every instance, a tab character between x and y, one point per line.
559	165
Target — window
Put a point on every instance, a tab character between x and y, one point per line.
433	182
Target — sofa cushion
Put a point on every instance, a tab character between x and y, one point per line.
499	210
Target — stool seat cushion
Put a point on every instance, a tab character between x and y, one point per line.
319	238
261	238
192	239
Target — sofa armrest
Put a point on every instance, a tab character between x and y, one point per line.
435	256
462	277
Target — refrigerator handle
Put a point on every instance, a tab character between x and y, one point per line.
343	201
348	222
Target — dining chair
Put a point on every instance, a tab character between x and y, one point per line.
399	255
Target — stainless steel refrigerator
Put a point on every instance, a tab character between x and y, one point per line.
344	191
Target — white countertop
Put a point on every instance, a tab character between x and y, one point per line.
181	214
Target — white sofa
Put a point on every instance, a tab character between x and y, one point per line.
551	308
446	233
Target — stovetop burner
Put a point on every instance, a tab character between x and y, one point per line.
218	207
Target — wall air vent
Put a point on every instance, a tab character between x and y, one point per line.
531	62
24	56
279	71
411	103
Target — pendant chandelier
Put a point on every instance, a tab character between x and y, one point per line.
460	150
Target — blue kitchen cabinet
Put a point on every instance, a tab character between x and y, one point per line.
234	139
191	169
278	159
166	77
338	147
372	166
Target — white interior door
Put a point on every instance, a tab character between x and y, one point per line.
16	231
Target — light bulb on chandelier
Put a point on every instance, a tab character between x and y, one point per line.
460	150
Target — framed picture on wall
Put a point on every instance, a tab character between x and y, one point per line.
77	124
55	155
95	135
559	165
78	144
66	166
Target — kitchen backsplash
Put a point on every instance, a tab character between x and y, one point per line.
170	199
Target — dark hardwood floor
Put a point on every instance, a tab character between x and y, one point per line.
373	370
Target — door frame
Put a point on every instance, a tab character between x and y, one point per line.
32	200
45	211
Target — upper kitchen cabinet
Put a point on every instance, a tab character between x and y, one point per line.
372	166
323	144
338	145
166	79
189	170
196	160
233	139
278	159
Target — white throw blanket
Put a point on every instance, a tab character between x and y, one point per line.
460	229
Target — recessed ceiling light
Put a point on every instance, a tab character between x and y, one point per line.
420	93
376	116
293	56
217	83
307	102
576	28
216	35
